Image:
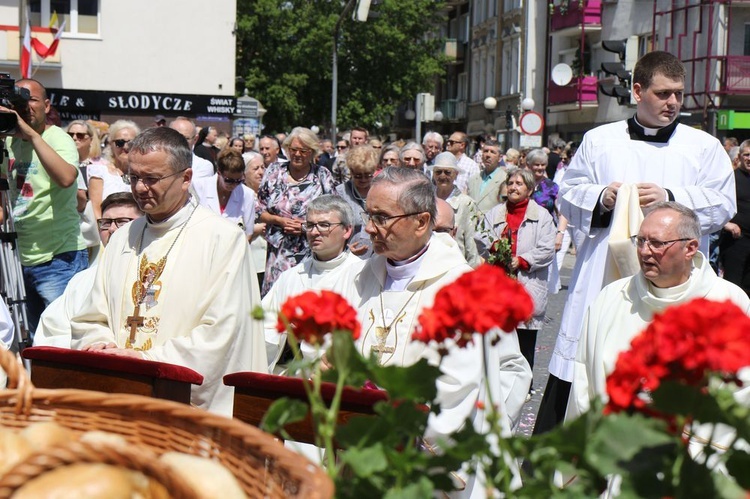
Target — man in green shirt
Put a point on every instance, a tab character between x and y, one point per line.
42	172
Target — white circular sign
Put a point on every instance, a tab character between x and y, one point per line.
531	123
562	74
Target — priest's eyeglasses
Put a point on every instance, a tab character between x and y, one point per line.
654	245
131	179
382	220
106	223
323	227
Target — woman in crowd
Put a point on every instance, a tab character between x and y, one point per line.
283	196
362	162
444	174
106	178
511	158
545	190
226	194
531	231
237	144
254	170
204	144
389	157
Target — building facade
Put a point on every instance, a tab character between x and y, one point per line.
134	59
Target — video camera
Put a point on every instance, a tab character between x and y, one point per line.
13	97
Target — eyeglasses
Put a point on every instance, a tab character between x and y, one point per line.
131	179
381	220
362	176
656	246
451	142
439	171
340	147
233	181
106	223
444	230
121	143
78	135
323	227
297	150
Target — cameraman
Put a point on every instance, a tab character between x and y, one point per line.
42	175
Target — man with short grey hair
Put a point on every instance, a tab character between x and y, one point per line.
432	143
673	272
328	227
484	186
176	285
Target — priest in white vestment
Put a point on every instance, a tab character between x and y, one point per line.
328	226
673	272
410	265
178	285
118	209
666	161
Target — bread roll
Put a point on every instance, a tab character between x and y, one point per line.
208	478
91	481
13	448
104	437
46	434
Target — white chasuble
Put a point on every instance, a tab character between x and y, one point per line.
195	308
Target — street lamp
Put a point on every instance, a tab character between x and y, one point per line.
363	7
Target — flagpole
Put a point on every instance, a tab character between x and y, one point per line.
21	27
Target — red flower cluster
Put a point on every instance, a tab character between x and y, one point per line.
478	301
313	314
684	344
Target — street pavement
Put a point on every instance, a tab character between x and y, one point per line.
545	344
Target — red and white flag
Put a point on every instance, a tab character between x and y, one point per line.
41	49
26	52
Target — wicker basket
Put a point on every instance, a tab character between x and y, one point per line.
262	465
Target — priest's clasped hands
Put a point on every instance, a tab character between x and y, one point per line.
648	195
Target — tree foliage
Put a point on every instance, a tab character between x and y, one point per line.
284	55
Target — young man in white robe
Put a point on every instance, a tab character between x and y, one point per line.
673	272
178	285
328	226
665	161
118	209
390	290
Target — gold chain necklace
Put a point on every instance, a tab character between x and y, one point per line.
382	333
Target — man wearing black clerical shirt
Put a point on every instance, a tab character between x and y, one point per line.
659	160
734	248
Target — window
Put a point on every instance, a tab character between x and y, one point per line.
747	40
81	17
461	92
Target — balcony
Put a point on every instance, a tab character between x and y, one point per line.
453	109
570	13
10	47
737	70
579	90
454	50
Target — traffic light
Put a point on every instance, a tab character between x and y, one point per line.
627	51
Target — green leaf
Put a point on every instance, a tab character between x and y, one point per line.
282	412
421	488
738	465
619	438
257	313
416	382
365	462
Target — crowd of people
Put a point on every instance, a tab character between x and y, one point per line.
213	225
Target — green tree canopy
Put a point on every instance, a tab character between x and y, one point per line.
284	54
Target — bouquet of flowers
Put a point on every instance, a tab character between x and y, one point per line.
675	391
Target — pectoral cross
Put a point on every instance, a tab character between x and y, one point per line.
381	334
133	322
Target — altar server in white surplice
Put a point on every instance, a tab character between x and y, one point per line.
118	209
410	265
178	285
665	161
673	272
328	226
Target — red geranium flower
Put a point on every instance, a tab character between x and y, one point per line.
478	301
684	343
313	314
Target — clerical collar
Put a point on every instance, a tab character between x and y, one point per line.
175	220
674	291
321	266
400	274
659	135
